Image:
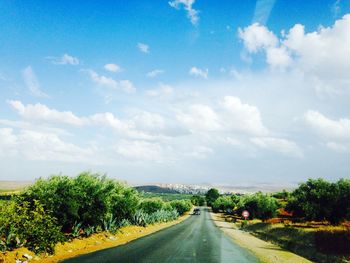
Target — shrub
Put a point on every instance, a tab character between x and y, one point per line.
259	205
87	199
321	200
225	204
29	225
181	206
198	200
150	206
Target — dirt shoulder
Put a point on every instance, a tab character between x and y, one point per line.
93	243
265	251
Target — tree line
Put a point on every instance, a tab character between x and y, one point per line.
316	199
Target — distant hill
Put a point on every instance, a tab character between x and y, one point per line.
13	185
155	189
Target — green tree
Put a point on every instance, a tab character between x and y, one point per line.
318	199
211	196
198	200
259	205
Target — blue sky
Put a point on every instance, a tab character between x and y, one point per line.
186	91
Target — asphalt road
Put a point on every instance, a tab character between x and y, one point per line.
196	239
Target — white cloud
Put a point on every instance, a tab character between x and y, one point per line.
279	145
243	117
200	152
154	73
112	67
163	90
334	129
200	118
42	146
64	60
192	13
257	37
143	47
194	71
40	112
140	150
320	56
108	82
338	147
8	142
32	82
231	115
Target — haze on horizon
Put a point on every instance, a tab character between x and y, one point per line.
181	91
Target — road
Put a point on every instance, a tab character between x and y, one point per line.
196	239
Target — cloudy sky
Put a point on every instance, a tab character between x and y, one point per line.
186	91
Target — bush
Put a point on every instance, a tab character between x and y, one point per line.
321	200
28	225
181	206
198	200
150	206
225	204
259	205
86	199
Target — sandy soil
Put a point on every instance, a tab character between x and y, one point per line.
93	243
265	251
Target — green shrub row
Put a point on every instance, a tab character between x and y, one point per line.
61	208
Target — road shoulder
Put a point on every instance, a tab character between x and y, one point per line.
265	251
95	242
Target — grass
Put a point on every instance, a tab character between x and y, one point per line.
165	197
312	240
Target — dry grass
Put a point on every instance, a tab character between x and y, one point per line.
317	241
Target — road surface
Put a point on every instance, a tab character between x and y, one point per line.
196	239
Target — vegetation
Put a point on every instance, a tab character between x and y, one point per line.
312	221
211	196
198	200
61	208
259	205
321	200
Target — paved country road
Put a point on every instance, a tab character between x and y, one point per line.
196	239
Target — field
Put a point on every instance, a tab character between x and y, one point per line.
165	196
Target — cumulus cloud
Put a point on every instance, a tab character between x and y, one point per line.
64	60
279	145
32	82
108	82
230	115
192	13
143	47
318	55
200	118
203	73
243	117
333	129
257	37
41	146
112	67
154	73
41	112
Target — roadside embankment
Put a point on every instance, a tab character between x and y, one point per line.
93	243
265	251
